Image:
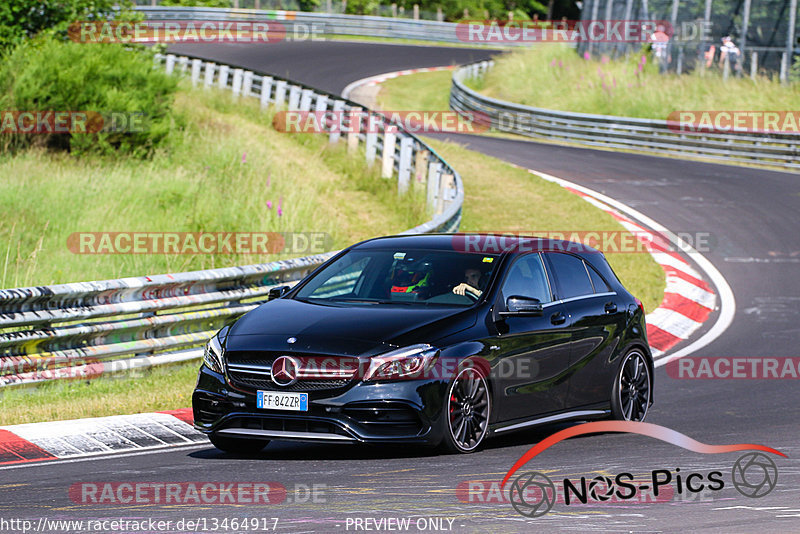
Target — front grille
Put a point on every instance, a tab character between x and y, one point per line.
247	380
261	379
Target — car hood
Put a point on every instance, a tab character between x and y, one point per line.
352	330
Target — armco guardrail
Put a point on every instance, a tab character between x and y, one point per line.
90	328
329	24
643	135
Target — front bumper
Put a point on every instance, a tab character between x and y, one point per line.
403	411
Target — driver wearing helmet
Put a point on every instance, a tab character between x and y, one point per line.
410	278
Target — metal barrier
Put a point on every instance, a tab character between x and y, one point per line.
641	135
91	328
330	24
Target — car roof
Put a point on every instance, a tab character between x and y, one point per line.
478	243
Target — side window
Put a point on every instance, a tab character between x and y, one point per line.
571	274
527	278
599	284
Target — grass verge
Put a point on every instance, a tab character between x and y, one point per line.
555	77
228	172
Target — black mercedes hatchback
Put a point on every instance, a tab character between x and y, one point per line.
442	339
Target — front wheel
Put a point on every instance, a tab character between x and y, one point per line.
466	411
237	445
630	396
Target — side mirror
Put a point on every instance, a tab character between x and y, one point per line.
277	292
521	306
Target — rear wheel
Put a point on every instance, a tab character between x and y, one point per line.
466	411
237	445
630	397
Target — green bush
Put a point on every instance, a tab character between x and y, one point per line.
24	19
49	75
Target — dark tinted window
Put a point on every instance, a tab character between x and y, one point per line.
600	285
572	275
527	278
407	276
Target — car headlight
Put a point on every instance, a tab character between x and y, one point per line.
407	362
212	356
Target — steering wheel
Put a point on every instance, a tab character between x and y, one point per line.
472	295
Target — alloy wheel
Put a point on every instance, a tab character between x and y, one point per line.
634	387
468	408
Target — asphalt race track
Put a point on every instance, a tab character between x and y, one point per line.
753	217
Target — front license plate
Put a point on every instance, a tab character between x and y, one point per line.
294	402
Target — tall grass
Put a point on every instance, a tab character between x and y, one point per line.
556	77
229	171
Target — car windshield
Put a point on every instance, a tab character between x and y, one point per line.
401	276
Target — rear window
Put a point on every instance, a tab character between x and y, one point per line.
599	284
571	274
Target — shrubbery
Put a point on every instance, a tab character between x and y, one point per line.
49	75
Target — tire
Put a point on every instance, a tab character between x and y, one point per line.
238	445
466	411
630	396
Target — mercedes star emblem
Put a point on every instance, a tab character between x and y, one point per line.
284	371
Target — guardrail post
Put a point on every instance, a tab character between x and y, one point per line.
183	62
197	66
247	83
753	65
416	11
406	152
784	68
371	146
387	159
294	97
280	92
354	128
434	174
305	99
338	112
446	182
209	78
420	166
266	89
224	70
238	78
726	68
170	63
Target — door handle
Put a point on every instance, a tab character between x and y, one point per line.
558	318
611	307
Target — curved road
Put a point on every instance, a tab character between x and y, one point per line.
754	219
